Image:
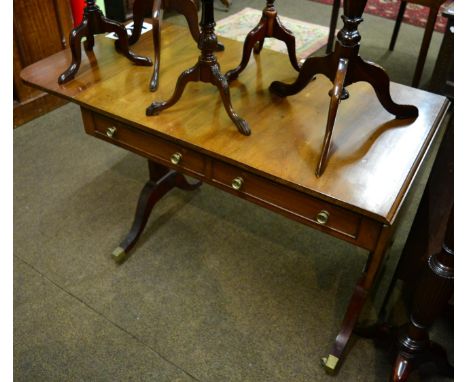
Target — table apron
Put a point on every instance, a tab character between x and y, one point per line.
341	223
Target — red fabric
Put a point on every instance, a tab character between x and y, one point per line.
414	14
77	7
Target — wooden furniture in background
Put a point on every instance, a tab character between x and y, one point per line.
333	21
428	251
269	26
344	67
40	28
442	80
409	345
206	70
357	199
433	292
434	6
94	22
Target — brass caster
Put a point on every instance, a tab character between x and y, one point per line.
329	363
119	255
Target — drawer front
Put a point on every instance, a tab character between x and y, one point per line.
169	153
291	203
302	207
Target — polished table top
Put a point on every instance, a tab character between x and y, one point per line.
373	158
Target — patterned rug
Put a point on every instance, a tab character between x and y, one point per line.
309	37
414	14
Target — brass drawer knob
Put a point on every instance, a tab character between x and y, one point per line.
176	158
111	131
237	183
322	217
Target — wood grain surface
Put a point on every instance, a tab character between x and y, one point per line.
373	158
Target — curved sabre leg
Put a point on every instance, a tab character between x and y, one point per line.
356	303
162	180
182	183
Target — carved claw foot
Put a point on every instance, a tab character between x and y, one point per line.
155	108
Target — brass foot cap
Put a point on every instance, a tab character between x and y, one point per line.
330	362
119	254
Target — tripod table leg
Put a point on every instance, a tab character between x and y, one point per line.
75	47
362	70
222	84
188	75
285	35
256	35
122	42
141	8
311	66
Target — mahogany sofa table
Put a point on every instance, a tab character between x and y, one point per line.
372	165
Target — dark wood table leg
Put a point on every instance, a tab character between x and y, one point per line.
431	20
94	22
161	181
333	21
205	70
346	47
398	21
332	362
157	18
141	9
442	76
269	27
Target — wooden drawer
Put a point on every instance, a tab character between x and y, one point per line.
170	154
292	203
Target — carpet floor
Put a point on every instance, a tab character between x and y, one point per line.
217	289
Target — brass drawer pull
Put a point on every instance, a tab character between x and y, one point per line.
237	183
111	131
176	158
322	217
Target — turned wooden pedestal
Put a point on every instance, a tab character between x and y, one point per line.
206	70
269	27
